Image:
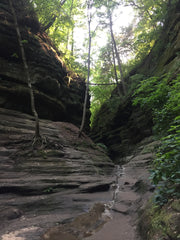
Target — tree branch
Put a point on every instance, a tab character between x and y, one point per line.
49	24
101	84
62	2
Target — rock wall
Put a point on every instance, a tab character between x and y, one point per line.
59	94
121	129
41	187
119	124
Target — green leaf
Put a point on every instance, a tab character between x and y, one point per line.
24	41
15	55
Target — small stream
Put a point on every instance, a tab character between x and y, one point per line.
119	171
120	212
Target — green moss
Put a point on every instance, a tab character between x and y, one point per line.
157	223
82	146
176	205
102	147
150	148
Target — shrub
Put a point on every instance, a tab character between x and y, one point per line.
161	95
166	168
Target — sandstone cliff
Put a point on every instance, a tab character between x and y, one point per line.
59	94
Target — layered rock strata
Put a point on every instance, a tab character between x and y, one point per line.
40	186
59	94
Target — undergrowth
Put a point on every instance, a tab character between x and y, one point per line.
161	95
160	223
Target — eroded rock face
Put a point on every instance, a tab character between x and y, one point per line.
68	188
122	128
40	187
59	94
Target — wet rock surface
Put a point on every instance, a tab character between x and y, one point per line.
118	220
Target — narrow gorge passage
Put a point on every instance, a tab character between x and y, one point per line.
120	224
116	218
67	187
128	198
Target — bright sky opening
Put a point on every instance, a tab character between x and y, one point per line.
122	17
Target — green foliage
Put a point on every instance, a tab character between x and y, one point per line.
102	73
160	223
161	96
64	16
152	93
24	41
57	18
139	38
99	95
102	146
171	108
48	190
151	19
15	55
166	171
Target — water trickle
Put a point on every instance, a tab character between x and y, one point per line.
118	172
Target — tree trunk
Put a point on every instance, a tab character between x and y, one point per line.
72	42
115	71
33	109
67	41
68	34
62	2
116	52
169	3
72	33
87	84
49	24
53	19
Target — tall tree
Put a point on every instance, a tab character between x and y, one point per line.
151	17
48	11
115	71
106	21
68	34
58	19
89	19
104	80
109	13
20	41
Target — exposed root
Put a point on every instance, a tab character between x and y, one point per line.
28	146
39	142
43	142
81	134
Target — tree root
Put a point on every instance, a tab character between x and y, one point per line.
39	142
43	142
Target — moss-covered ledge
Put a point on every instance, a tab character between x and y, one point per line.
160	223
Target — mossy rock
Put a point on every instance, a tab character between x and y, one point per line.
157	223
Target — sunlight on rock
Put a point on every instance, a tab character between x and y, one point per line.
16	234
